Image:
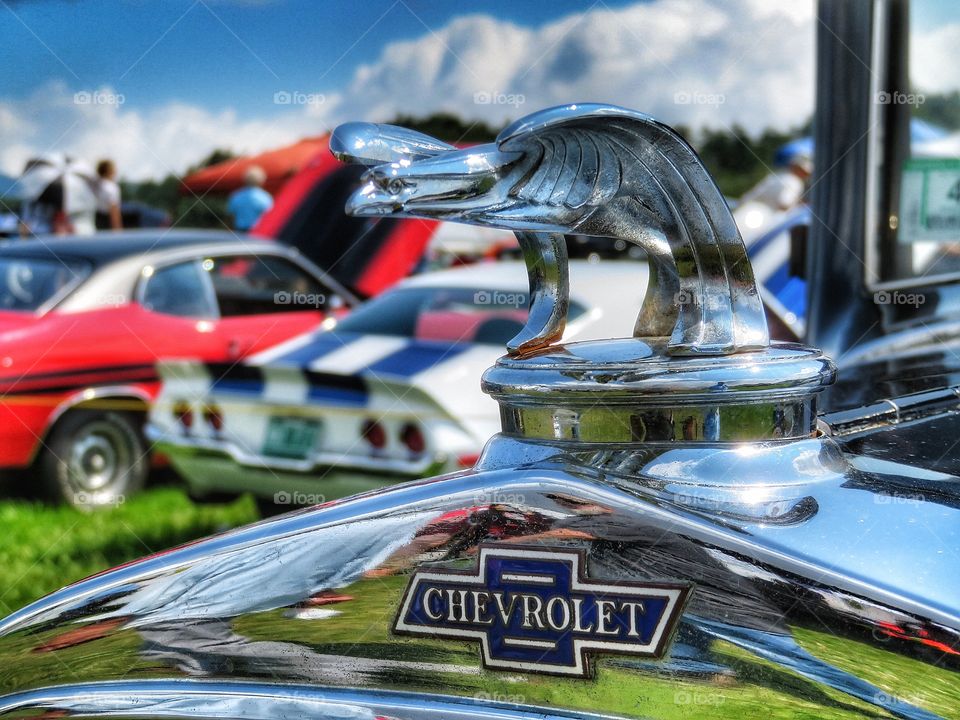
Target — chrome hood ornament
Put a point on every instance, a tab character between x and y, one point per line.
590	169
606	171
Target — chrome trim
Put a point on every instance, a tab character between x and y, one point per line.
943	334
893	411
262	701
878	60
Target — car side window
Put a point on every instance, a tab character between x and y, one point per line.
179	290
261	284
457	314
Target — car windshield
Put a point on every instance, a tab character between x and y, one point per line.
460	314
27	283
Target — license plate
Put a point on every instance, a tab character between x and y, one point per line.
291	437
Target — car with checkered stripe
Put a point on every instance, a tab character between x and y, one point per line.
386	394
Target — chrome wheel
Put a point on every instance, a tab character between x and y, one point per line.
99	456
94	459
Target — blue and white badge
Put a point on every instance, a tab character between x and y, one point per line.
534	610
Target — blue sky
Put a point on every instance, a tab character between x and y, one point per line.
157	85
213	53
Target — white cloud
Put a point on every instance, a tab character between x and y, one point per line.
696	62
145	143
744	61
932	60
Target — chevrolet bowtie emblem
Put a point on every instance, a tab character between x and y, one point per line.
534	610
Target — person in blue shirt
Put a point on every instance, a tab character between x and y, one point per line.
247	204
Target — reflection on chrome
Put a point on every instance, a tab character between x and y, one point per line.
772	601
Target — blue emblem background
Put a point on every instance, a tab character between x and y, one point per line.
561	569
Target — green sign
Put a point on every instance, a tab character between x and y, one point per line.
930	201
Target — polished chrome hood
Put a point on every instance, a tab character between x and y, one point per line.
815	593
663	528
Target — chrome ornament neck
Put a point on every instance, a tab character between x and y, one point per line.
701	352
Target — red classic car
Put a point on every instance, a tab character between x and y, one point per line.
84	320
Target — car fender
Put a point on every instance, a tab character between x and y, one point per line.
125	398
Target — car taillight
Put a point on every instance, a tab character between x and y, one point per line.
467	461
184	414
374	434
412	437
213	417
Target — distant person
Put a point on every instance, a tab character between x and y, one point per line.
247	204
108	215
784	188
42	215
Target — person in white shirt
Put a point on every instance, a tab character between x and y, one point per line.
108	197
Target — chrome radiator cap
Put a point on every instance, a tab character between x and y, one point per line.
629	390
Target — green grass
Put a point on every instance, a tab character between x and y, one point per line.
43	548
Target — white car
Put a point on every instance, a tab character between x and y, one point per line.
388	394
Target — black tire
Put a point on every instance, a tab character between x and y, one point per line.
93	459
